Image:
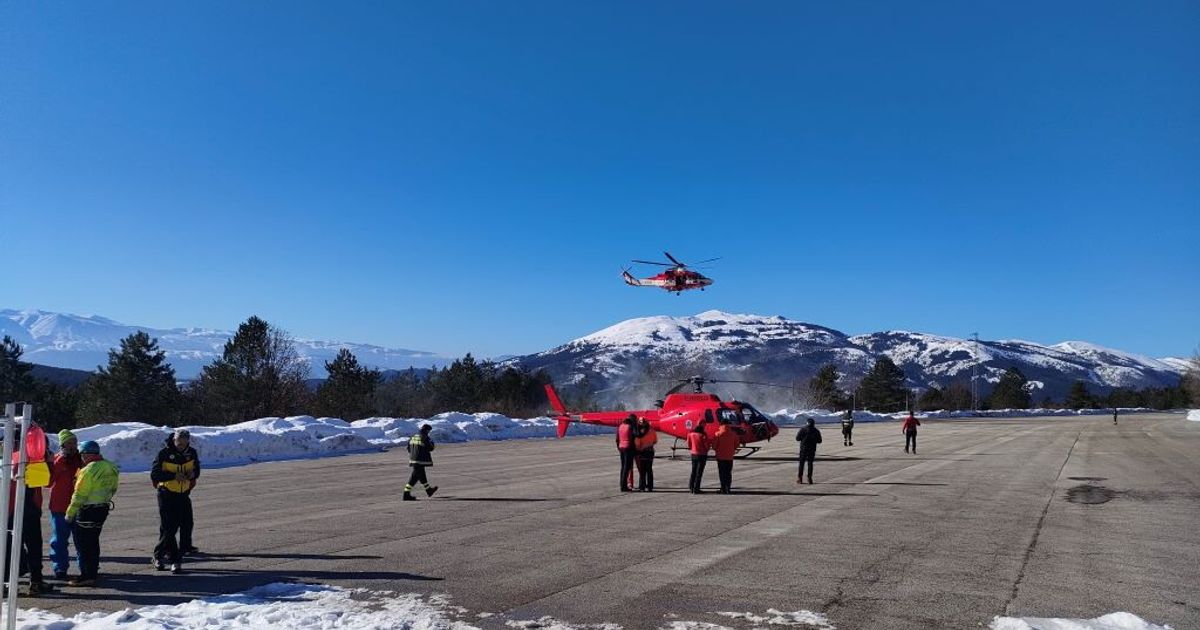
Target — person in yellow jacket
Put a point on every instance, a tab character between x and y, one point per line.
90	503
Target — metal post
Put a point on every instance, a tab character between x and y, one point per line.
974	378
14	560
10	410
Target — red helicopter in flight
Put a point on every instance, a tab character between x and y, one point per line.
677	279
678	413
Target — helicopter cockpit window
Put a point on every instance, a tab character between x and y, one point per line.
752	415
731	416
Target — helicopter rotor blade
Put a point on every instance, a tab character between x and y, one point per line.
674	260
701	262
650	262
760	383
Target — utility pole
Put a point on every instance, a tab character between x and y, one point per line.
974	373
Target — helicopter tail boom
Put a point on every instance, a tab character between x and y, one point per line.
564	419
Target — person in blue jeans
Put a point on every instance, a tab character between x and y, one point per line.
66	464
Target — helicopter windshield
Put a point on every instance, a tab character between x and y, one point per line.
752	415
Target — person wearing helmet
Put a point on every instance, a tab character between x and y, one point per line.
420	457
90	503
174	473
66	465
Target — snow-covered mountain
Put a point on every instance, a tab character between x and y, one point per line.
753	347
82	342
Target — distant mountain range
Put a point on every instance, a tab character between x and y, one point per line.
82	342
714	343
776	349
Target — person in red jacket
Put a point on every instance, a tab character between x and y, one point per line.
698	445
67	462
30	550
910	432
725	444
644	443
626	434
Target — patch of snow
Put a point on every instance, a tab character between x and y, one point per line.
1112	621
779	618
1194	415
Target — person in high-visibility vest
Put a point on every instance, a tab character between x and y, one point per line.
644	443
420	457
90	503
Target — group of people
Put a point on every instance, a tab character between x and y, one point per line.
724	444
82	485
635	444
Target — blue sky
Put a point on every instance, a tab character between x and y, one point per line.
472	176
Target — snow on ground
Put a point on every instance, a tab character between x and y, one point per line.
1112	621
793	416
133	445
1194	415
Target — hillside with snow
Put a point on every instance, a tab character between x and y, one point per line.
777	349
82	342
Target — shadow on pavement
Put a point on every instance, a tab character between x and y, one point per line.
494	499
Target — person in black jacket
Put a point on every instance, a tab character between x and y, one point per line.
174	474
420	456
809	436
848	428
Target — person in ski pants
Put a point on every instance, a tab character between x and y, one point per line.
848	428
173	474
698	445
627	448
89	508
646	438
910	432
420	457
67	463
809	436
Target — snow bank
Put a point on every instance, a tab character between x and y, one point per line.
133	445
1194	415
792	416
285	606
1113	621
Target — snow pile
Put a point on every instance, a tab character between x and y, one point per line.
280	606
1113	621
1194	415
793	416
779	618
133	445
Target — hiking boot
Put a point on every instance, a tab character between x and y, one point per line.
82	581
810	480
159	565
190	551
39	588
409	497
177	568
430	490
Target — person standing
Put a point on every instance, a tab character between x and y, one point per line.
30	545
725	444
910	432
698	446
420	457
90	503
847	428
174	474
1114	416
646	439
627	448
809	436
67	463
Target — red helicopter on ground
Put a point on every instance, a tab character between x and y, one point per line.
676	280
678	413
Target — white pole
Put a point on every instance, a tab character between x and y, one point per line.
14	560
10	410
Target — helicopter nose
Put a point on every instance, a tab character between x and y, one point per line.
773	428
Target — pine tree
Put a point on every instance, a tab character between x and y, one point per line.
259	374
1079	397
15	382
932	399
824	389
1011	392
882	389
137	385
349	391
1190	383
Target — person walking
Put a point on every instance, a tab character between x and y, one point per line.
420	457
1114	416
725	444
698	446
847	428
647	437
627	448
809	436
173	474
90	503
66	464
909	428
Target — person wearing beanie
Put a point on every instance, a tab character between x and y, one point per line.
90	503
174	473
67	463
809	436
420	457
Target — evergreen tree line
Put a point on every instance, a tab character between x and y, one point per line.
883	389
260	374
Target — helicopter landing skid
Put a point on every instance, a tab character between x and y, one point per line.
749	450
